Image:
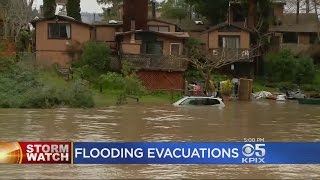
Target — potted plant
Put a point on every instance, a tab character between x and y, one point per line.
226	90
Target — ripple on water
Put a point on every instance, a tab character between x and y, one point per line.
274	122
85	116
108	111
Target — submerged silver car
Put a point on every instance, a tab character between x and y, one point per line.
199	101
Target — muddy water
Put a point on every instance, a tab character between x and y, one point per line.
263	119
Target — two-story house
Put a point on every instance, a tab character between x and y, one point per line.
54	35
297	32
148	43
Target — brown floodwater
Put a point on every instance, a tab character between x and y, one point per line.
270	120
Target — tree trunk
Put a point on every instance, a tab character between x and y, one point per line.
207	77
316	11
252	20
6	30
298	11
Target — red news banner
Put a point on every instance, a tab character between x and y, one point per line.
36	153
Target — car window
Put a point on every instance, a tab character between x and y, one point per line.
188	101
211	102
200	102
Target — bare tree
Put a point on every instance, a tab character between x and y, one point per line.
207	61
16	15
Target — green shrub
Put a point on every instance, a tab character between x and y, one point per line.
21	87
79	95
128	85
284	66
310	87
226	88
96	55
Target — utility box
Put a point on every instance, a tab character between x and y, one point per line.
245	89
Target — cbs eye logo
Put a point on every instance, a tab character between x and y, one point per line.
258	150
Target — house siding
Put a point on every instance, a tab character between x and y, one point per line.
166	44
196	35
278	10
213	42
161	80
172	28
104	33
54	50
304	38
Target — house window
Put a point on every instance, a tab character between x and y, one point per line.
59	31
290	37
159	28
153	47
175	49
230	42
314	38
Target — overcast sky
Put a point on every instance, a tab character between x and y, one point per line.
86	6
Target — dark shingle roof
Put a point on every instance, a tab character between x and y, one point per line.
186	24
106	23
307	23
61	1
224	24
59	17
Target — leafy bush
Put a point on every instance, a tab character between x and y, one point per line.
79	95
95	55
226	87
21	87
284	66
128	85
23	41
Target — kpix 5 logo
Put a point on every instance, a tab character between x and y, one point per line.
254	153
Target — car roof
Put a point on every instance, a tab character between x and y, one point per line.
201	97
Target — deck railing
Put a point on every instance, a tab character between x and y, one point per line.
156	62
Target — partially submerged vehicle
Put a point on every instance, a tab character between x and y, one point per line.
295	95
199	101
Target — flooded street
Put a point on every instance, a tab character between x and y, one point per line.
262	119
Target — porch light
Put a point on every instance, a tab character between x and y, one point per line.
232	67
215	52
245	53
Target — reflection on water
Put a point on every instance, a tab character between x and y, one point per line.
262	119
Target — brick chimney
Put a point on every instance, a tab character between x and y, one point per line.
153	9
252	20
136	10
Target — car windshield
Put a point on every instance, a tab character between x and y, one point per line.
200	102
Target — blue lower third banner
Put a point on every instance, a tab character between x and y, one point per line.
196	153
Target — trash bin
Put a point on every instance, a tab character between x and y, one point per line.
245	89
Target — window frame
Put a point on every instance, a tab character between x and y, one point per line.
146	43
60	38
313	38
285	37
200	102
158	27
180	48
221	37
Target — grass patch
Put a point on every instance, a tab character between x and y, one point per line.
52	78
110	98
